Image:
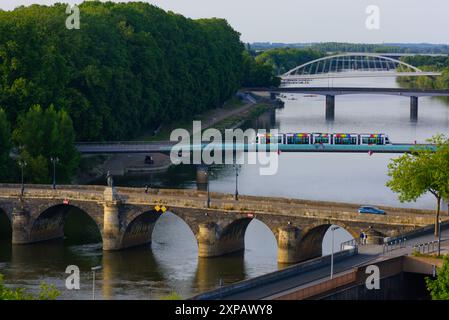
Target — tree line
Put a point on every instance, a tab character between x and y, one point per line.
130	68
358	47
427	63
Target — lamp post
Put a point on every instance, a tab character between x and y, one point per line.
97	268
207	174
332	250
237	169
54	160
22	165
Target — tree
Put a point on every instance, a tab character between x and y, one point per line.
439	288
46	292
42	134
5	145
151	68
422	171
258	74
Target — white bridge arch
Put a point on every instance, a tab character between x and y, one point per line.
351	65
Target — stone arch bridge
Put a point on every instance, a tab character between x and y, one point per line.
126	217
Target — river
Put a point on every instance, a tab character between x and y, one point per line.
171	263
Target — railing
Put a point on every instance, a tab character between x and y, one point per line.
397	243
350	244
428	247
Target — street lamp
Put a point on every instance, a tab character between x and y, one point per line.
22	165
237	169
54	160
97	268
332	250
207	174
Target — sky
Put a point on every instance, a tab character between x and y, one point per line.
292	21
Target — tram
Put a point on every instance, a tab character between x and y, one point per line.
324	138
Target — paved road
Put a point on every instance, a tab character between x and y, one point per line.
366	254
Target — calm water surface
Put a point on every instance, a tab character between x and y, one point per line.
171	264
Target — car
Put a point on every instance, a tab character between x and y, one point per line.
372	210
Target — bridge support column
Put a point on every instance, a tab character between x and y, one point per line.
20	226
111	227
414	109
288	245
111	220
210	243
330	108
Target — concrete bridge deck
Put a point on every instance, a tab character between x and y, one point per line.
126	217
331	92
334	91
166	147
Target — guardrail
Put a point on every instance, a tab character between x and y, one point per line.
274	276
350	244
428	247
394	244
393	241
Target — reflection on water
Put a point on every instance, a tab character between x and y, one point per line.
171	263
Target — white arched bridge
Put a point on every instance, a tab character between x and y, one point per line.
351	65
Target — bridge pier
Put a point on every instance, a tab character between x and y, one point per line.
212	244
288	245
20	226
413	109
111	227
330	108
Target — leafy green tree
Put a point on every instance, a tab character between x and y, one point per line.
46	292
422	171
439	288
5	145
258	74
130	68
285	59
42	134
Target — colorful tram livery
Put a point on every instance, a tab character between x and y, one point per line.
324	138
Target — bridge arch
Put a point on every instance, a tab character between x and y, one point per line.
140	223
48	221
138	229
312	241
349	61
5	225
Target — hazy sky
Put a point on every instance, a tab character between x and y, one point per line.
312	20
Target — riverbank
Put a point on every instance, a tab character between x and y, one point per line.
233	114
